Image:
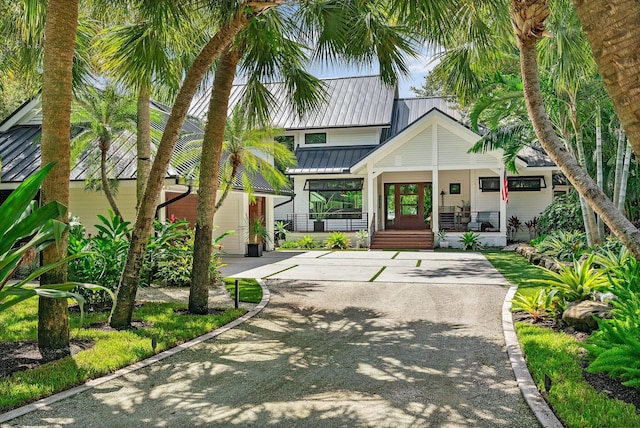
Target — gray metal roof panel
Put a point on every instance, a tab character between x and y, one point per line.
350	102
333	160
407	110
535	156
20	153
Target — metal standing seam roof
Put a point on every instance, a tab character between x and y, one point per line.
535	156
350	102
20	152
334	160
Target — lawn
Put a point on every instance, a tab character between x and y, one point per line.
250	290
111	350
559	356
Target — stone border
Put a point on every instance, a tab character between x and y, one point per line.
536	258
20	411
529	390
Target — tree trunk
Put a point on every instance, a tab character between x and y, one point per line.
106	187
599	172
125	299
612	30
232	179
60	34
143	142
624	179
209	167
527	38
619	162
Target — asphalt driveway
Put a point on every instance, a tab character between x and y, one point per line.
428	352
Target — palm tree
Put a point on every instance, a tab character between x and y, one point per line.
101	117
239	17
60	34
528	18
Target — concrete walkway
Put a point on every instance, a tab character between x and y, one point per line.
427	352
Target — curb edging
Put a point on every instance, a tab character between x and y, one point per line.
20	411
529	390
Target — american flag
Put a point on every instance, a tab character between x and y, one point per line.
504	191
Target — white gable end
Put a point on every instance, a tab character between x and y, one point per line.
453	152
416	152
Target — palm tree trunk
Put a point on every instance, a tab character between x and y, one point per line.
106	187
619	162
600	175
624	179
527	37
209	167
612	30
60	35
126	295
227	189
143	142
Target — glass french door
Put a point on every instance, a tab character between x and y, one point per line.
408	205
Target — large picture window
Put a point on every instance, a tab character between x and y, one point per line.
338	198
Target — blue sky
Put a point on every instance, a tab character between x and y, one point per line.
419	67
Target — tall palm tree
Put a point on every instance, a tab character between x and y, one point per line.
101	115
528	18
236	18
60	35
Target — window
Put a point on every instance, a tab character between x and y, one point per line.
490	184
287	140
316	138
454	188
526	184
516	184
339	198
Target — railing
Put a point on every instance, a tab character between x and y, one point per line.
328	222
372	226
476	221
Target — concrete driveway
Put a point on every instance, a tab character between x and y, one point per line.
427	352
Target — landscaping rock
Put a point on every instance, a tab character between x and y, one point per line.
580	315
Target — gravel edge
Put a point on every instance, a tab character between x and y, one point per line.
20	411
529	390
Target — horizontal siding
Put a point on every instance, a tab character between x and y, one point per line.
342	137
86	205
453	152
416	152
232	216
526	205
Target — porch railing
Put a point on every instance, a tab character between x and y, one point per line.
463	221
328	222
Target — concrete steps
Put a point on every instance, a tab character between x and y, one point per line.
402	240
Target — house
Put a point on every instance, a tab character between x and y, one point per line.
400	168
20	154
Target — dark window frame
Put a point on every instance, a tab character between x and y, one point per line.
329	187
489	184
313	134
528	183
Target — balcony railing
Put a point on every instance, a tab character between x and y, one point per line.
328	222
476	221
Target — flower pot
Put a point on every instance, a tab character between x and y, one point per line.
254	250
318	226
444	244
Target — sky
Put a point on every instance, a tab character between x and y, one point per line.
418	67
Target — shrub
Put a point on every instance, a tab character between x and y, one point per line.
289	244
564	245
563	214
308	242
540	305
532	227
470	241
513	226
338	241
362	238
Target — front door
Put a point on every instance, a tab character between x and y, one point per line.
408	205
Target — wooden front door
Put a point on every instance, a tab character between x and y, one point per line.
405	205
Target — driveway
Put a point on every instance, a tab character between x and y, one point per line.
400	353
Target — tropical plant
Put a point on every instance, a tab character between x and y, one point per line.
562	214
258	232
470	241
564	245
308	242
101	115
513	226
532	227
577	282
281	230
362	238
540	305
338	241
20	220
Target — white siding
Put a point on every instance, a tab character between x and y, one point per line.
416	152
86	204
232	216
445	178
526	205
453	152
342	137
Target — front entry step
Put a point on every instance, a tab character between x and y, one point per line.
402	240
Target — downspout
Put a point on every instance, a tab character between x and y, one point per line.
285	202
177	198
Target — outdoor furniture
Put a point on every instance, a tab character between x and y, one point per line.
481	222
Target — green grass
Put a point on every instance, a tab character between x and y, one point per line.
111	351
250	290
374	277
576	402
558	355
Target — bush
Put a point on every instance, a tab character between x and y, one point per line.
563	214
308	242
289	244
470	241
338	241
540	305
564	245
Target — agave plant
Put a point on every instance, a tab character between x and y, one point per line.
20	220
577	282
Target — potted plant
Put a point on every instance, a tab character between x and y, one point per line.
442	239
281	232
322	207
465	212
258	235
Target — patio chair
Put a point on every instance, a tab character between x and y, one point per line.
481	222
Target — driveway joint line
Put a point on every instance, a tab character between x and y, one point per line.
20	411
280	271
374	277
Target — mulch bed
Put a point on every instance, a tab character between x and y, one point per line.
600	381
212	311
19	356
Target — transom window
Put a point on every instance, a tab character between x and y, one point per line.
333	199
315	138
516	184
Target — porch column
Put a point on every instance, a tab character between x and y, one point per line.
503	205
435	181
371	201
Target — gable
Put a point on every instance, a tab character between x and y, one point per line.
416	152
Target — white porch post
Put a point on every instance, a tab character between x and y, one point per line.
503	205
371	201
435	181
